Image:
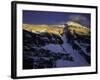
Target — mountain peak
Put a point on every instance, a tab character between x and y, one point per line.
78	28
73	23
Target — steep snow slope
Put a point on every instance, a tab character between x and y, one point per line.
49	50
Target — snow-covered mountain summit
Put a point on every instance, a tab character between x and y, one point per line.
49	50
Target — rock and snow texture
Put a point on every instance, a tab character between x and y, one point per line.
66	47
49	51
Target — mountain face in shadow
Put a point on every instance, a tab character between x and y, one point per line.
55	47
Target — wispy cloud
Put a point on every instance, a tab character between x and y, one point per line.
80	19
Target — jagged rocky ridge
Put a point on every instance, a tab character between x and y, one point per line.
45	50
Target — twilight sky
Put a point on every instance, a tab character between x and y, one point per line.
44	17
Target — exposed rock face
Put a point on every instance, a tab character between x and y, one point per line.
46	49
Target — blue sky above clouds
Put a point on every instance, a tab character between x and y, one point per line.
44	17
